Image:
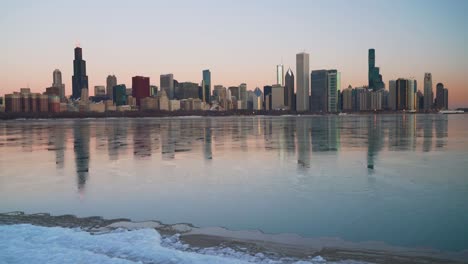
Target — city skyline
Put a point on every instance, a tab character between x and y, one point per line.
253	62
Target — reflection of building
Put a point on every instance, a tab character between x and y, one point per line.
375	139
303	142
58	140
325	134
207	147
141	139
441	131
81	140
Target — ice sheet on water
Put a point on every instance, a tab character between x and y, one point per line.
34	244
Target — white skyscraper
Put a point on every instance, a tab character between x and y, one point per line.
302	82
428	94
57	82
280	74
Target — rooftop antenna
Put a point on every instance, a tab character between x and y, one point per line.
78	44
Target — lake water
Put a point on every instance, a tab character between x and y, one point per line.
399	179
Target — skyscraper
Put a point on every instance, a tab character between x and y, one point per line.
402	85
79	79
120	94
140	88
446	105
277	97
375	78
410	94
440	100
280	74
289	90
206	88
392	95
167	84
57	82
243	95
428	93
333	85
110	83
302	74
267	97
319	91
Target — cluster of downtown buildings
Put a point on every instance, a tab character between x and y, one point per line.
318	91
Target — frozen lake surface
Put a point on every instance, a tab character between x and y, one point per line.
397	179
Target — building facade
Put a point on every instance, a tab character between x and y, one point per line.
111	81
375	78
428	92
140	88
319	91
79	79
302	82
167	84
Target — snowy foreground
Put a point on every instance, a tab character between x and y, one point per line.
25	243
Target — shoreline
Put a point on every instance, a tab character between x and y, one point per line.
142	114
249	241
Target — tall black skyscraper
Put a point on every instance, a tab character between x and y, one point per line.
79	79
375	78
289	99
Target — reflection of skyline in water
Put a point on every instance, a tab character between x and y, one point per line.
288	136
81	138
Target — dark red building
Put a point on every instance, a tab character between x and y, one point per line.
140	88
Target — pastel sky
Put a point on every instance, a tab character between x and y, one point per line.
239	41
